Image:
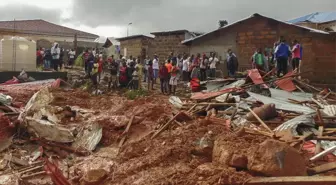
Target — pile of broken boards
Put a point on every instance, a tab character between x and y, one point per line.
301	126
38	136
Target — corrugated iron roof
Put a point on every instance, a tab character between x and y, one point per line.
133	37
42	27
242	20
317	17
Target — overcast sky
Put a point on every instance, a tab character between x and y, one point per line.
111	17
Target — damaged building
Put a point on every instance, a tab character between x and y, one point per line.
166	42
257	31
136	45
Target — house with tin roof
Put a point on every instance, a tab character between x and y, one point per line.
325	21
245	36
40	29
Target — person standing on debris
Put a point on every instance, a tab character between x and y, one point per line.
72	55
173	78
185	71
296	53
213	62
39	57
86	56
203	65
282	53
150	76
140	70
129	61
61	58
180	65
123	81
94	73
145	71
232	63
155	68
55	52
163	75
169	67
47	59
100	67
258	60
113	69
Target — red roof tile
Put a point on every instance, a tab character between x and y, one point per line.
42	27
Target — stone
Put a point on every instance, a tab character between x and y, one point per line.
277	159
239	161
94	177
221	153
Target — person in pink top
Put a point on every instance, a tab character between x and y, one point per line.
296	55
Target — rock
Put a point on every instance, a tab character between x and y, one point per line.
221	153
239	161
274	158
94	177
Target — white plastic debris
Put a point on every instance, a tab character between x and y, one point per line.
176	101
49	131
5	99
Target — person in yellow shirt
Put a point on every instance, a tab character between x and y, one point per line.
94	74
139	69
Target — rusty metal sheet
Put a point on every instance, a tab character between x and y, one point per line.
286	83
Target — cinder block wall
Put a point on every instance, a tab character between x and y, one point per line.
163	45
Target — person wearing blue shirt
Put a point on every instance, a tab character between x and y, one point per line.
282	53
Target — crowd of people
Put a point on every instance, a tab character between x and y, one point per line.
280	57
55	58
132	72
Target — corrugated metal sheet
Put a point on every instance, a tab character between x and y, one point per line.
309	126
240	21
282	105
306	119
318	17
330	110
284	95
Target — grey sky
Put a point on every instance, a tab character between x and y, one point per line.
110	17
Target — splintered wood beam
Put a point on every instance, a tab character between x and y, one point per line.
297	180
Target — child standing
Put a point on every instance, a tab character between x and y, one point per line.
163	75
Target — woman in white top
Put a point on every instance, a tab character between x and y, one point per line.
155	68
185	69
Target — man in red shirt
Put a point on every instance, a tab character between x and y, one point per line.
163	75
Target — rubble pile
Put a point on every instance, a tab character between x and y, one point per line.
238	131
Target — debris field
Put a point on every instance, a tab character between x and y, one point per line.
250	130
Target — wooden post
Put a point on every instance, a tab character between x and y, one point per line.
261	121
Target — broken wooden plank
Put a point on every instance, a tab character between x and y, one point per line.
124	134
192	107
34	174
322	168
128	126
322	154
16	160
326	138
257	132
296	180
165	126
261	121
